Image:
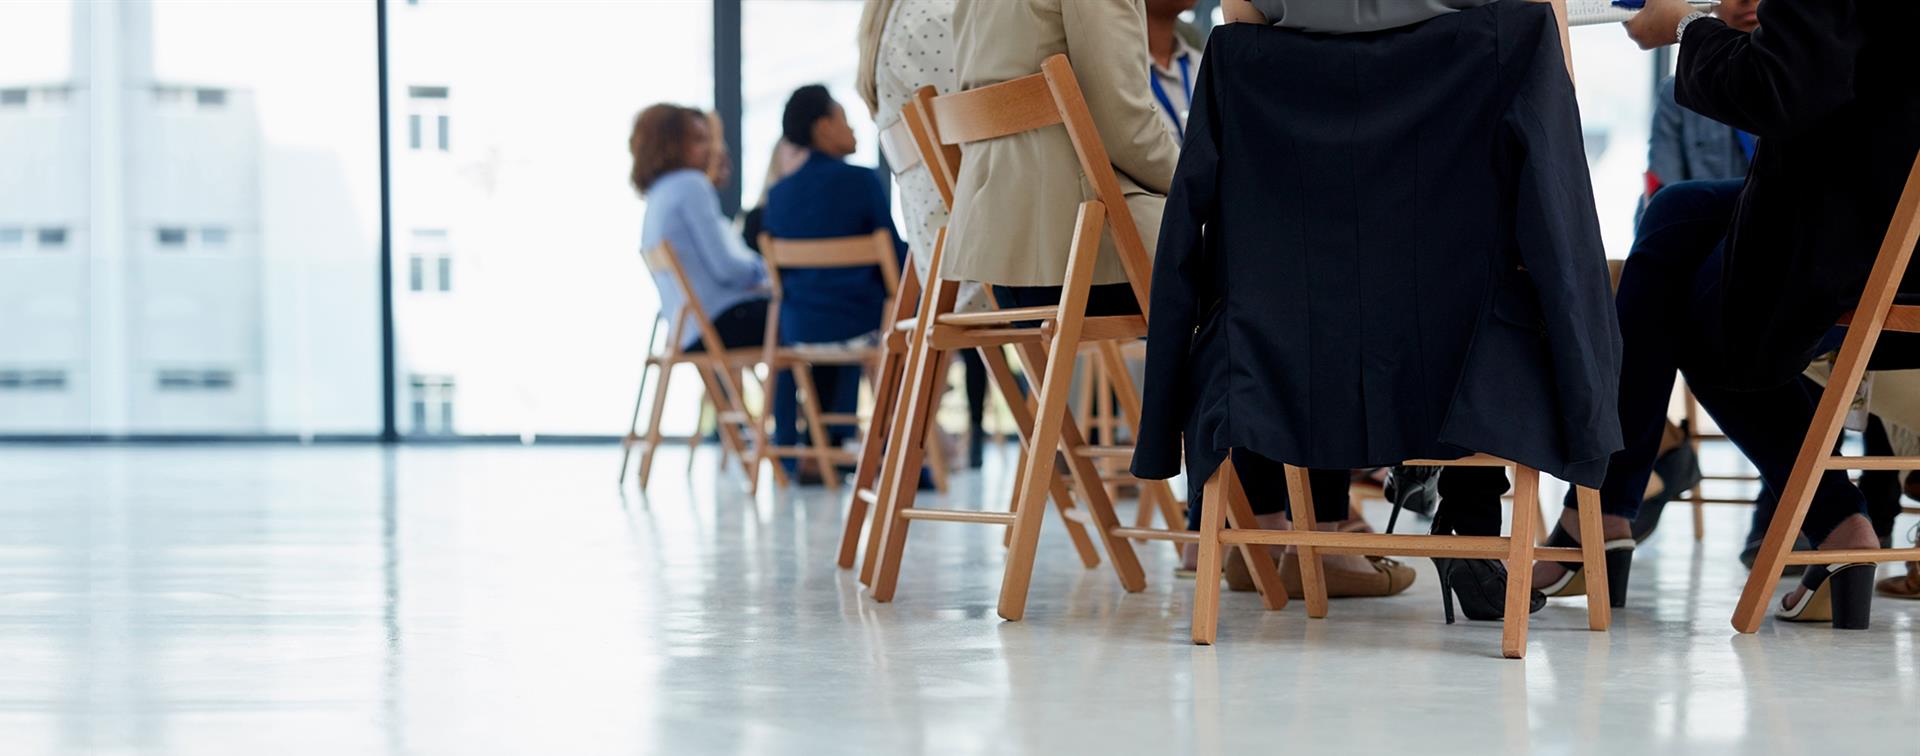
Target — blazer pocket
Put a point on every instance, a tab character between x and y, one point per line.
1517	302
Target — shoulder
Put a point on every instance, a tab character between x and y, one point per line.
685	183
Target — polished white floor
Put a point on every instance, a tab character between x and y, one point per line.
481	600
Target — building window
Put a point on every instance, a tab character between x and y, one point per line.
195	380
427	108
432	405
12	238
213	237
170	236
13	98
52	237
18	379
430	261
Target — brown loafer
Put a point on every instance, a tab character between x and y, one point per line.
1903	587
1386	578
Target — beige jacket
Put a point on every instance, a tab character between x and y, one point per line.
1015	198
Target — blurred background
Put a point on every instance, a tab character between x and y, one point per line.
192	241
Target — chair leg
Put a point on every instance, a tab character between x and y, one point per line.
816	428
1791	510
884	488
1021	410
1312	581
901	478
1206	576
1266	575
762	440
1698	497
1127	396
886	392
938	454
715	379
1526	508
1126	564
633	427
1593	555
1051	415
653	423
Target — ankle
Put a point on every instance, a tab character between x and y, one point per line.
1612	527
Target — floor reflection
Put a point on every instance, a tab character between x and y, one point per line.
479	599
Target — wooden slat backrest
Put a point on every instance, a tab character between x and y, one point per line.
840	252
996	110
1050	97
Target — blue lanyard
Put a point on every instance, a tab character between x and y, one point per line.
1160	93
1747	143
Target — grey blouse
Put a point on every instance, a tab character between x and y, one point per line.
1347	16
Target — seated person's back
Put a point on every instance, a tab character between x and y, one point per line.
827	198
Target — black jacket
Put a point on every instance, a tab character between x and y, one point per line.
1830	87
1380	247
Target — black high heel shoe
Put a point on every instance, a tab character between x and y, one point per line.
1619	556
1480	584
1839	593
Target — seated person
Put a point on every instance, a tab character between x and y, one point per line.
1016	197
1739	284
672	149
824	198
1335	297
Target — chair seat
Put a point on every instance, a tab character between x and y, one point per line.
998	317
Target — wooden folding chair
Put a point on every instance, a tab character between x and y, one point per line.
1876	312
1226	503
875	249
1047	338
720	369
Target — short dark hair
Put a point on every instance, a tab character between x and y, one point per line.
659	140
805	108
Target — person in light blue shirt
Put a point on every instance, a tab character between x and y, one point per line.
671	148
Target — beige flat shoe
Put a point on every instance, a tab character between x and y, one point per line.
1387	578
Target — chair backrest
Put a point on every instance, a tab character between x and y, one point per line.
663	260
1048	98
839	252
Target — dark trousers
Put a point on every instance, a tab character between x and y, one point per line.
1469	496
976	377
742	325
1671	304
1880	488
839	389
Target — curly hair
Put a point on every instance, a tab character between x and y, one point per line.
659	141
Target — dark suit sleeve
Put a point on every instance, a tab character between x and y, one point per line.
1792	71
1179	275
1558	234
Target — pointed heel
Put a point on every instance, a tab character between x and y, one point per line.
1852	593
1445	567
1619	569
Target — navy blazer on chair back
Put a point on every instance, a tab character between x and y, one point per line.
1382	247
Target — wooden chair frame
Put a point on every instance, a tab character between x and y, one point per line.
658	362
720	369
1875	313
875	249
915	130
1226	503
1051	97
